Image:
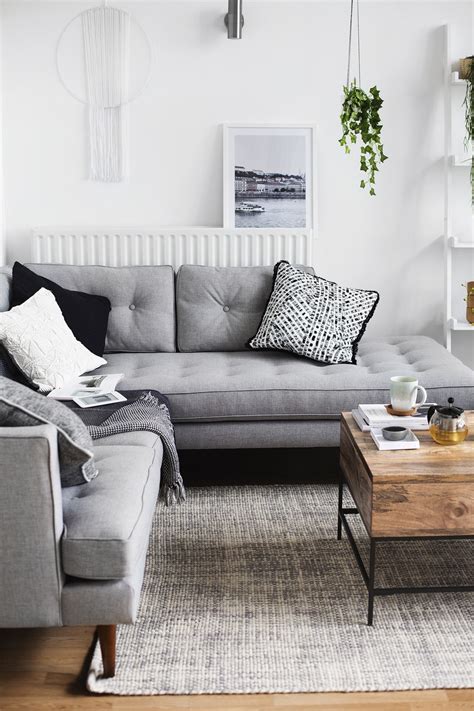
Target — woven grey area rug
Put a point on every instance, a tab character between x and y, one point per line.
247	590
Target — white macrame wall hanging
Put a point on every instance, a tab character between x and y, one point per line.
105	42
106	33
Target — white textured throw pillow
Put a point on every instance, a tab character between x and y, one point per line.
42	345
313	317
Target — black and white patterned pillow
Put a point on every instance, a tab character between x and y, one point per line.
313	317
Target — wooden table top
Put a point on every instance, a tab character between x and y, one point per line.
431	461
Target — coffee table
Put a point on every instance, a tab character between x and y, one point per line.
401	495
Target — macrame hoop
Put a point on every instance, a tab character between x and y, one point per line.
139	91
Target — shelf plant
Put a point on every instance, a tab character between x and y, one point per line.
467	73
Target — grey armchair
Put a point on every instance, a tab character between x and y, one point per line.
75	556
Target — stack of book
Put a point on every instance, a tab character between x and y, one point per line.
370	417
373	418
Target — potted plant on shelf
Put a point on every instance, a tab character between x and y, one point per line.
466	71
465	67
360	119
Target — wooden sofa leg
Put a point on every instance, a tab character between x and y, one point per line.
107	647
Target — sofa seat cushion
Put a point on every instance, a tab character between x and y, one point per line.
107	523
238	386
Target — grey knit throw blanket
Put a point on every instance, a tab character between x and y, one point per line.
146	413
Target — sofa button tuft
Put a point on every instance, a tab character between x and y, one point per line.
226	309
132	307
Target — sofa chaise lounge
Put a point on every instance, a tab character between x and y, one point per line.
77	556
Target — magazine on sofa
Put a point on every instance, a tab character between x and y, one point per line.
87	385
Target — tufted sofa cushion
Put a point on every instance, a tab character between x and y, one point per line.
107	523
251	385
220	308
142	318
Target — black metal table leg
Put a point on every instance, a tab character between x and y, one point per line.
339	508
371	582
368	575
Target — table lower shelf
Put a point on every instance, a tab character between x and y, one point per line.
369	575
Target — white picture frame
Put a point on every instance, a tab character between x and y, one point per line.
280	152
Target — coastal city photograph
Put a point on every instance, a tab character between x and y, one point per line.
270	181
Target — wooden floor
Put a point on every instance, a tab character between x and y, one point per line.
44	670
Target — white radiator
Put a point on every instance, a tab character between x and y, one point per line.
209	246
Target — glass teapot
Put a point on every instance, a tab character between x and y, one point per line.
447	423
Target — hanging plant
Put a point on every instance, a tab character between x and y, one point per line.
360	118
467	73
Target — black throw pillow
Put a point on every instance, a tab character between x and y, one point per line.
86	315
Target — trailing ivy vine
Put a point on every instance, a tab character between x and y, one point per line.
360	118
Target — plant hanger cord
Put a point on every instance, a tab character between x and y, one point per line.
360	117
350	42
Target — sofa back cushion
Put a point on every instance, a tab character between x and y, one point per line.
142	317
86	315
220	308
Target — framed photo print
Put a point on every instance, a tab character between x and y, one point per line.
269	176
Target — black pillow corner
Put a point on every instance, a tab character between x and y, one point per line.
87	315
355	343
9	369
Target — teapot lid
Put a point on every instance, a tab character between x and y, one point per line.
449	410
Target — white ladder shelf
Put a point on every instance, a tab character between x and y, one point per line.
453	92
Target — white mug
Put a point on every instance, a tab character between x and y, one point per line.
403	392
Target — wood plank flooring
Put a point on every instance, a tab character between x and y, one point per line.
44	670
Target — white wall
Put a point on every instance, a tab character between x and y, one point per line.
289	67
2	230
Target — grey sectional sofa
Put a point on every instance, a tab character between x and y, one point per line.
185	336
77	556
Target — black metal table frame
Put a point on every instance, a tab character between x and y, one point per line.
369	576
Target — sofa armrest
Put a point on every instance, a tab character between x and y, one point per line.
31	524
